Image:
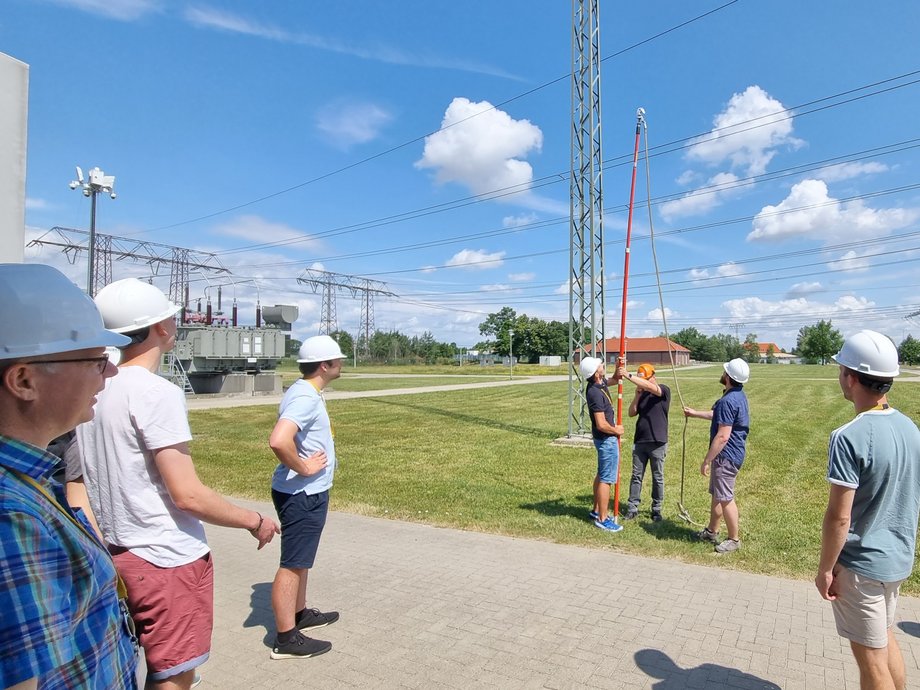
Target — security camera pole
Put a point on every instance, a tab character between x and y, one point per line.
98	182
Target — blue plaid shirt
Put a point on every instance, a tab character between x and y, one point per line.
60	619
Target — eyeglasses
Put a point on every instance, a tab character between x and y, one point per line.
101	362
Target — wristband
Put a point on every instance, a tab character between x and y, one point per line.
261	520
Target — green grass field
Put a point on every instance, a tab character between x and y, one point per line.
482	460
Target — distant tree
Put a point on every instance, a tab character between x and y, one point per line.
817	343
751	348
345	341
694	341
292	346
496	327
909	351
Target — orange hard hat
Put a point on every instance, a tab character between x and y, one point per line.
646	371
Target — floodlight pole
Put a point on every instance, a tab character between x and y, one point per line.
511	352
98	182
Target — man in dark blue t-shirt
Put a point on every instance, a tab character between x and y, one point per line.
728	431
605	432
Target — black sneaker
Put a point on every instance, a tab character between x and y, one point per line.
300	647
631	514
705	535
656	517
314	618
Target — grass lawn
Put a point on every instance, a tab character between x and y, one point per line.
481	460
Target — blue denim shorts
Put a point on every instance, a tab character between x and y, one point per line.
608	459
302	519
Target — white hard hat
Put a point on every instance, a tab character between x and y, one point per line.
870	353
44	313
319	348
737	370
589	366
129	305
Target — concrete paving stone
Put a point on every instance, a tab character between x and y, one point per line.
440	608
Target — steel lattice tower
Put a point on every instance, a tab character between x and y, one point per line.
586	247
333	282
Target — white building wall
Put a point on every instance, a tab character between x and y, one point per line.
14	111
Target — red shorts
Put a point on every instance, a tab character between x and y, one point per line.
173	609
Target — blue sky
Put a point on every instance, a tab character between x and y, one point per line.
292	135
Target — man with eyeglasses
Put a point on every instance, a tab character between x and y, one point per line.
146	494
62	625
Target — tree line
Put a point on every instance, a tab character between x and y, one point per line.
528	338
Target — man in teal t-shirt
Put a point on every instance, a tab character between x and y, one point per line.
870	526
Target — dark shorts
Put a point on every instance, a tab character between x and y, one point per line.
173	610
302	519
722	476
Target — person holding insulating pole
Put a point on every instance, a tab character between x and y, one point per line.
730	421
605	432
650	443
870	525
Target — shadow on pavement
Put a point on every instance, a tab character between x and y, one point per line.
657	664
910	627
260	614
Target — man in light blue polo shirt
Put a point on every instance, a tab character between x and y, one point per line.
302	440
870	525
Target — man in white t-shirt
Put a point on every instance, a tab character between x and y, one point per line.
146	495
302	440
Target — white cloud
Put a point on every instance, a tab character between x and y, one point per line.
259	230
687	177
804	288
354	123
496	287
428	269
746	133
564	289
318	266
726	270
210	18
521	277
755	307
851	261
34	204
656	313
476	259
809	212
719	187
518	221
481	148
847	171
122	10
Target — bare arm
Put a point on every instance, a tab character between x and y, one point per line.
833	537
78	498
699	414
604	426
190	495
715	447
284	446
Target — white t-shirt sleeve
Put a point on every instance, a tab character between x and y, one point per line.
161	419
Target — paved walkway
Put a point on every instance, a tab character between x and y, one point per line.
215	402
425	607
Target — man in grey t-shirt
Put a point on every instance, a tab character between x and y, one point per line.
870	526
